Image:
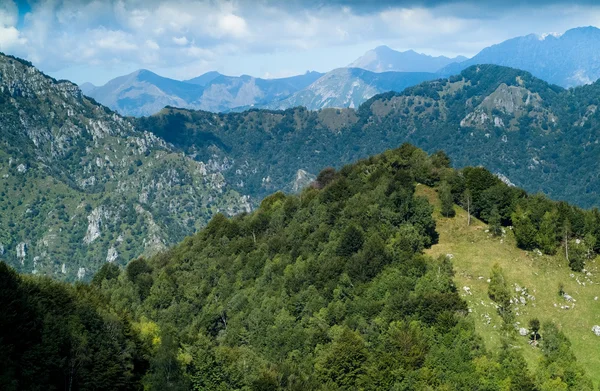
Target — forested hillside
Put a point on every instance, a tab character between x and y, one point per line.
55	336
541	137
330	289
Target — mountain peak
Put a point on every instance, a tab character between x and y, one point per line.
567	60
585	31
383	59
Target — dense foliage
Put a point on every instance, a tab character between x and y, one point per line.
538	135
328	289
58	337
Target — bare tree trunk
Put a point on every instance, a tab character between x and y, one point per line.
468	211
567	242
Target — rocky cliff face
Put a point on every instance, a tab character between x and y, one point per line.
80	185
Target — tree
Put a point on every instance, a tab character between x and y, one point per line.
534	326
546	235
325	177
467	199
108	271
494	222
524	230
577	255
352	241
499	292
342	361
446	200
566	237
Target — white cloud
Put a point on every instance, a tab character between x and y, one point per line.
8	13
233	25
257	37
152	45
10	37
181	41
112	40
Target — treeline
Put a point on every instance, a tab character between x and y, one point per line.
537	222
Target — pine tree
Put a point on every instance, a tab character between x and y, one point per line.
446	200
546	235
499	292
524	230
494	222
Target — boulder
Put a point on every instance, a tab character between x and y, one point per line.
523	331
596	330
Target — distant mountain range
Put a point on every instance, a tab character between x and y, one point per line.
349	87
568	60
384	59
145	93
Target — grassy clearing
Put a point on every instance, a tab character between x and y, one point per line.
474	253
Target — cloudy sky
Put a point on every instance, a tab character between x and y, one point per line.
86	40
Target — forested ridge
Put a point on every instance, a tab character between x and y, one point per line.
327	289
540	136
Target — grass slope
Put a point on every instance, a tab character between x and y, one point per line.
474	253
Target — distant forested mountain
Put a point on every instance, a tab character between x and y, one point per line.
537	135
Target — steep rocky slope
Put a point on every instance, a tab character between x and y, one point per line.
81	186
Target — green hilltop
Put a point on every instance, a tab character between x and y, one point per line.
349	284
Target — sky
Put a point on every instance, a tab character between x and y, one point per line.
97	40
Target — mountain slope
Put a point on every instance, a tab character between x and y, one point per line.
204	79
228	92
349	87
530	274
384	59
81	186
146	93
568	60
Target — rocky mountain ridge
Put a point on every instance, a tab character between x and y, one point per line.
145	93
349	87
82	186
